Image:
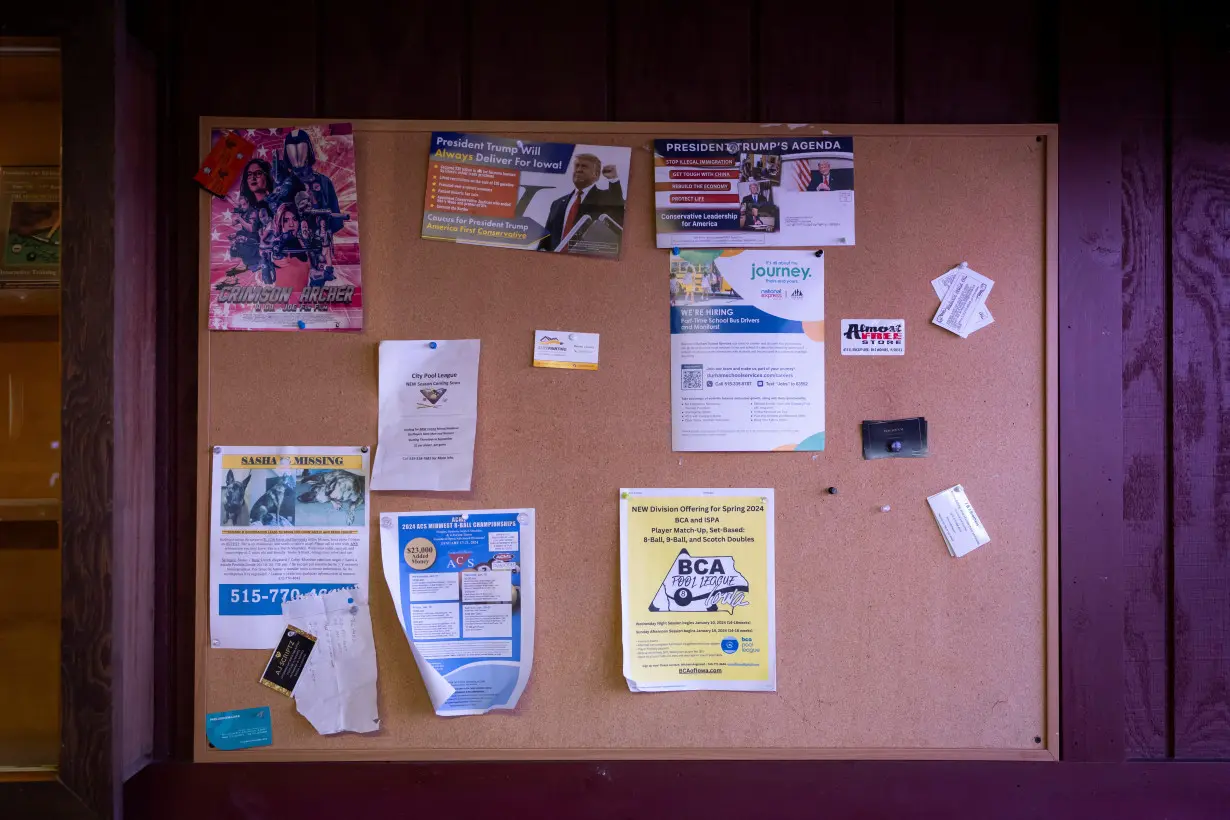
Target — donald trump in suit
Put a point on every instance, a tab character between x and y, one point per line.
586	199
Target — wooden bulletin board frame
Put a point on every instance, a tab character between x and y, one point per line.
1048	745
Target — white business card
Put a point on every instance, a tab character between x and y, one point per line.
873	337
960	525
981	318
562	348
963	294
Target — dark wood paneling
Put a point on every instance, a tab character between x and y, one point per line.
135	459
1112	535
685	61
548	65
1139	76
391	58
1201	381
1005	791
87	339
838	68
975	62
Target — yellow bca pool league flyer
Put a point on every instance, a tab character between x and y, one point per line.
696	571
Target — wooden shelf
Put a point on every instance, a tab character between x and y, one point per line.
43	301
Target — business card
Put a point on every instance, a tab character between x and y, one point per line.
288	660
979	319
896	438
963	300
873	337
959	524
239	729
566	349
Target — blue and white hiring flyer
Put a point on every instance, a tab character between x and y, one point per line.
747	350
773	192
284	522
463	586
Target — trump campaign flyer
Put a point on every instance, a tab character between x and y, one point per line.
754	193
747	350
534	196
696	574
284	244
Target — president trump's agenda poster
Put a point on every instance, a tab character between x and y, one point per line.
534	196
754	193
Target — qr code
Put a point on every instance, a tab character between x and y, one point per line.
692	376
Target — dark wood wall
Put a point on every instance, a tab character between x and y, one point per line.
1140	96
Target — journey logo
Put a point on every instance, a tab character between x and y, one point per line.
701	584
432	394
780	270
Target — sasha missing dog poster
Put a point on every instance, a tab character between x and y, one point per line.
285	522
284	244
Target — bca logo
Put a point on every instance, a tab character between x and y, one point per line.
700	584
730	645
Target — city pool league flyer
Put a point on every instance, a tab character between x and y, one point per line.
544	196
754	193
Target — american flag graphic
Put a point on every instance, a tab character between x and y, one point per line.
801	175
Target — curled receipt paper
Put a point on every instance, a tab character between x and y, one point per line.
463	586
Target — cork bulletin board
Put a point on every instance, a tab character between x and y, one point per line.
887	646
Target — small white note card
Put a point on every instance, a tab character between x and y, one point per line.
873	337
963	296
962	528
562	348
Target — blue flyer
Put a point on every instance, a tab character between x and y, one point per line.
239	729
463	586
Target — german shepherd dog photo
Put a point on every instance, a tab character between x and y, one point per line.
337	487
235	500
268	508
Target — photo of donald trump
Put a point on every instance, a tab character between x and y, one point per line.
596	193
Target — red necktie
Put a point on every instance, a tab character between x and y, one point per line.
571	219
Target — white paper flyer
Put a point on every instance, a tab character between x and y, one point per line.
428	415
747	350
284	522
336	691
463	586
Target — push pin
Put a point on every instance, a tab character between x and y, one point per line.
894	446
886	508
432	345
832	491
302	325
675	251
820	252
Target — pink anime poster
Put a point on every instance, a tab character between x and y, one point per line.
284	243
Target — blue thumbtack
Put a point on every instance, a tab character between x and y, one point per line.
301	324
432	345
675	251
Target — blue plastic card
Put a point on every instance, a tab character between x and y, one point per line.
239	729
